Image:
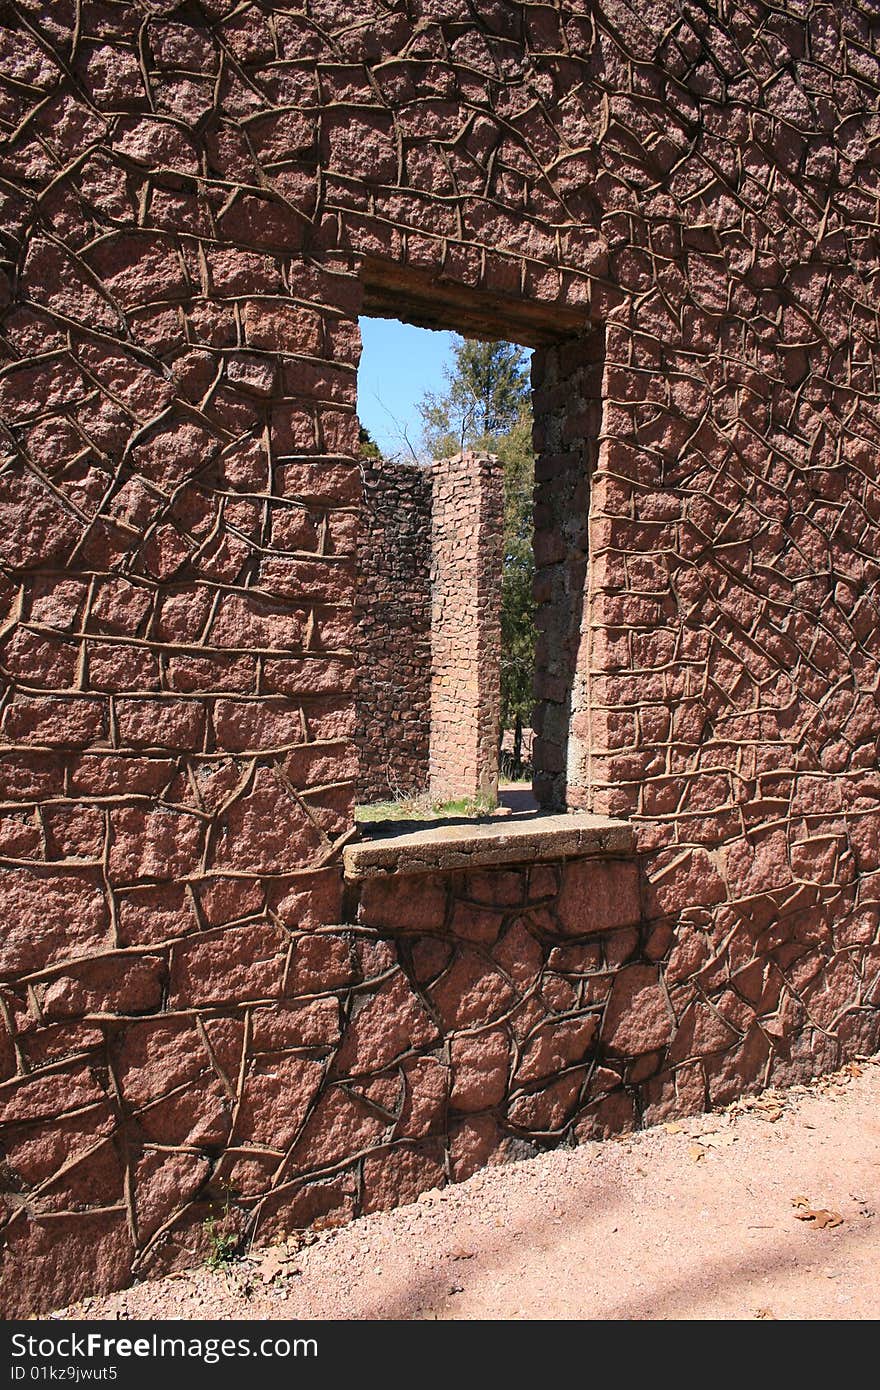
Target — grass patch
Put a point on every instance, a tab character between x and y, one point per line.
424	807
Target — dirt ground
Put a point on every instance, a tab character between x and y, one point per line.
697	1219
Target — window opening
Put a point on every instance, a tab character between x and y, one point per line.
446	574
567	370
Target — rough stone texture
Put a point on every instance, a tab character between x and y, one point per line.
467	551
678	204
567	396
394	636
429	634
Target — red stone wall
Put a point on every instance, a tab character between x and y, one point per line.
394	631
467	552
193	215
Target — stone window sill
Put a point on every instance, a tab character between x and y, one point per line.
528	839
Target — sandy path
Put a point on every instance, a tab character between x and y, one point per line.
684	1221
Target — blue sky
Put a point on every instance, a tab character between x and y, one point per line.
399	364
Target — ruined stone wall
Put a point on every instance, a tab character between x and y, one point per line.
467	550
194	212
394	630
540	1012
535	996
567	395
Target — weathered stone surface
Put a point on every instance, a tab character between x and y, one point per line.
312	1023
611	1114
50	915
388	902
267	830
519	955
340	1127
165	1183
476	924
426	1090
157	1055
448	847
97	1179
323	1204
325	960
547	1109
56	723
35	1152
555	1046
147	844
598	895
99	1241
199	1114
49	1094
117	986
679	880
479	1069
387	1024
474	1143
152	915
399	1175
275	1099
394	645
638	1016
466	561
247	963
471	992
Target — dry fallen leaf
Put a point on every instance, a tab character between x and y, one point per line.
275	1262
696	1152
331	1222
767	1108
719	1139
829	1219
271	1266
673	1128
800	1201
819	1217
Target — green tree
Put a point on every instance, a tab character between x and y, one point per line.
486	405
487	391
367	446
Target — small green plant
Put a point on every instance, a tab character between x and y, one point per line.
223	1244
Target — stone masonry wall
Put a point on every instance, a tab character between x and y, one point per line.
567	395
466	559
549	1001
196	206
394	630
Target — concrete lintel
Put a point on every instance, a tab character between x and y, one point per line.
443	847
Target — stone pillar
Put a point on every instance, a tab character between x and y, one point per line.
567	398
394	634
467	552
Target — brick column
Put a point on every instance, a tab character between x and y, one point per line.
468	514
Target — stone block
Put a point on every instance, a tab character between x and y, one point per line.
385	1026
638	1018
598	895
